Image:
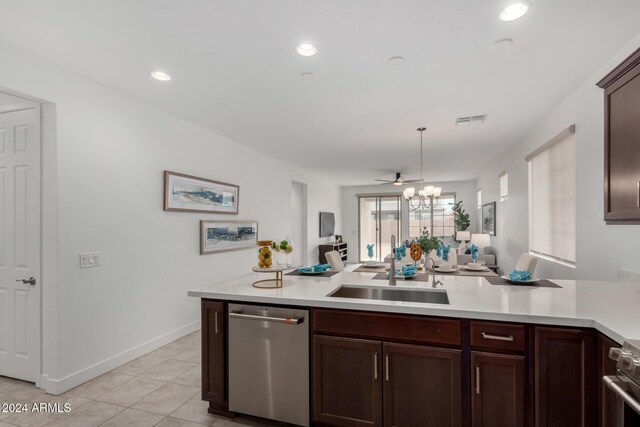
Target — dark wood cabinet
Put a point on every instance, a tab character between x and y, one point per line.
347	384
422	386
214	356
498	390
622	141
606	398
356	381
565	377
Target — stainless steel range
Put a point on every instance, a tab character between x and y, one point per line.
626	383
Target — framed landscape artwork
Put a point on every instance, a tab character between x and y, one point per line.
192	194
489	218
223	236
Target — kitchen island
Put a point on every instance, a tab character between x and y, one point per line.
494	355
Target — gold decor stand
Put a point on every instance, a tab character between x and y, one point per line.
278	280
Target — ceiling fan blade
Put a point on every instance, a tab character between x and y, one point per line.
386	181
410	181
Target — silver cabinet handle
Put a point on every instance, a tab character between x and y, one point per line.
477	379
375	365
613	383
287	320
497	337
638	196
30	281
386	366
215	319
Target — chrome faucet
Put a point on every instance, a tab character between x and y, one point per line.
392	269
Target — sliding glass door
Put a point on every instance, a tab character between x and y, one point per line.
379	217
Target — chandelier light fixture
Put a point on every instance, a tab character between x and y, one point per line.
427	196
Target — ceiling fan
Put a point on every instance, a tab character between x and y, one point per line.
400	180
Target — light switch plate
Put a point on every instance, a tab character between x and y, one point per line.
90	260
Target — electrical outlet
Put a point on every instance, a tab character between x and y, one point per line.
90	260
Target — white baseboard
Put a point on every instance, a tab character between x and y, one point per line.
59	386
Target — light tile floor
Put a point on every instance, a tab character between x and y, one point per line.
159	389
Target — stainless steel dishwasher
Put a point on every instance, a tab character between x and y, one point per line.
269	362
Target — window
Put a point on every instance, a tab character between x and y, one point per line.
479	198
552	203
504	186
439	220
379	217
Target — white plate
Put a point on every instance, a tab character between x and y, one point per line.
373	264
520	281
464	267
442	270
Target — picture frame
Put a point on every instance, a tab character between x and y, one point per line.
338	238
224	236
187	193
489	218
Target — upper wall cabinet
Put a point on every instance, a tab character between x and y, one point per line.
622	142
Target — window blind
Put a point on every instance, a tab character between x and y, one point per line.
552	206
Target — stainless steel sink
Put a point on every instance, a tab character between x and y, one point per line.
433	296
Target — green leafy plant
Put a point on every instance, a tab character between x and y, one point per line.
461	221
427	242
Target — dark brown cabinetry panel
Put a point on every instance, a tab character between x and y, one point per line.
347	383
498	390
422	386
214	356
497	336
392	327
565	383
606	398
622	141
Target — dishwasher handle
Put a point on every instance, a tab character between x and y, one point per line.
285	320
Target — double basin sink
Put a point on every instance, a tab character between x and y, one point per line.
433	296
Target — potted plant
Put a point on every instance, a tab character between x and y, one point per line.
461	220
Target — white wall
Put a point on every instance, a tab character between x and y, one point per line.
105	164
600	249
465	192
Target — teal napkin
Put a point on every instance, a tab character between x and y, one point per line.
316	268
409	270
518	276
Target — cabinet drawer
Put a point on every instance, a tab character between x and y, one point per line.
383	326
497	336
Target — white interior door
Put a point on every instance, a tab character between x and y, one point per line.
20	244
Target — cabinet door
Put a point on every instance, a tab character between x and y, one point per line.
498	390
213	351
606	397
422	386
565	370
347	388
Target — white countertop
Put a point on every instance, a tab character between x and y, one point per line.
613	308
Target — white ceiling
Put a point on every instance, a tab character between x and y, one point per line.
235	70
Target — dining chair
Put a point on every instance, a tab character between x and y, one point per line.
527	262
333	258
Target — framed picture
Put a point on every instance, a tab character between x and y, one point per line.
192	194
223	236
489	218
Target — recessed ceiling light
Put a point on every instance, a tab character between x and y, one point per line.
306	49
396	61
514	10
502	44
308	76
159	75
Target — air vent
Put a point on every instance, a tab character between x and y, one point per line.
471	120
